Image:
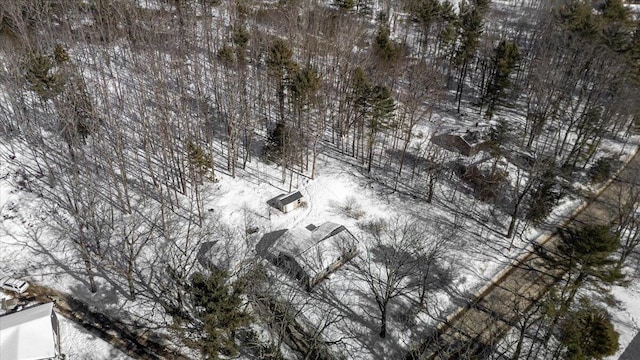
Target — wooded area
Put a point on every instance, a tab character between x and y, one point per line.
124	114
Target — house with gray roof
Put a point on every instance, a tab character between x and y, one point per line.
309	254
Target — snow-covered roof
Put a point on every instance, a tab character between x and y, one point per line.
469	135
28	334
286	199
300	241
314	250
326	230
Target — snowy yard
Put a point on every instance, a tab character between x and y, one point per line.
139	147
476	250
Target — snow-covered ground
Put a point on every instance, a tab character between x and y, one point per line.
78	343
626	316
476	247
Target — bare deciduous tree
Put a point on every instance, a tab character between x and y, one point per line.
389	263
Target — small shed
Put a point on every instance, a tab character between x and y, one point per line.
32	333
288	202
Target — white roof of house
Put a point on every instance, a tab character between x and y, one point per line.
28	334
314	250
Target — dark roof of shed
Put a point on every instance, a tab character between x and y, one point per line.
288	199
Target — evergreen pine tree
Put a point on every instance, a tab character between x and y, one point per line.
280	64
587	333
544	197
469	30
617	26
218	308
381	109
385	48
345	4
505	60
584	254
304	84
41	75
425	13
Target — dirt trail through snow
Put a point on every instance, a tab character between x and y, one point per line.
475	329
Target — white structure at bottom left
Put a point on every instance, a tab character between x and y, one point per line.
32	333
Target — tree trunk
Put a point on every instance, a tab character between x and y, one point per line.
370	160
315	158
512	223
463	75
281	99
383	320
90	276
432	184
132	288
